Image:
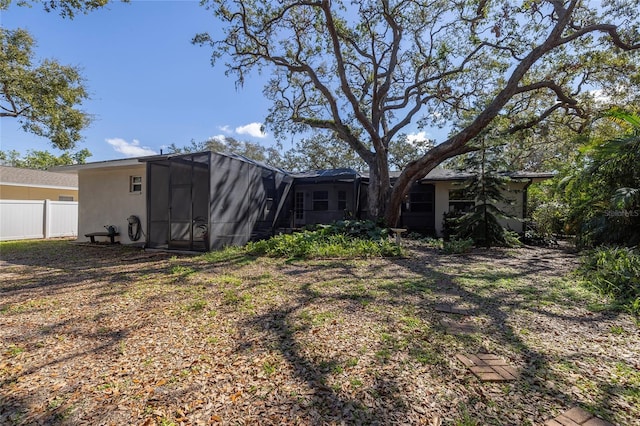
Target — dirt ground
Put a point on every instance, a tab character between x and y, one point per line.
111	336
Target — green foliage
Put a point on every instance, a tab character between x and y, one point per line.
603	190
455	246
66	8
342	239
436	243
253	151
362	72
43	97
42	160
615	272
353	228
481	223
549	218
321	151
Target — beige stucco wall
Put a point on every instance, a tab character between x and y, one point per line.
441	204
105	200
515	194
15	192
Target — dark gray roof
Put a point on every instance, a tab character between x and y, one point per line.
344	174
330	175
224	154
440	174
37	178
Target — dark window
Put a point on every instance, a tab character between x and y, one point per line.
320	200
135	183
342	200
460	200
65	198
421	202
299	205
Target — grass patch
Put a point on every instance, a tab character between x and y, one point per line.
13	350
305	340
268	368
196	306
28	246
182	271
230	254
229	279
317	318
235	298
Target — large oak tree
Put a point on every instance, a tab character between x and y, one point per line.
45	96
365	70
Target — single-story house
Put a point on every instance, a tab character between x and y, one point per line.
207	200
29	184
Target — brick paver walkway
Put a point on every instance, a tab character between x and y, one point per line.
489	367
577	417
449	308
458	327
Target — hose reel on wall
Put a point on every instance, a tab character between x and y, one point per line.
135	228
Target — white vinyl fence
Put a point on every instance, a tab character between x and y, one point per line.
29	219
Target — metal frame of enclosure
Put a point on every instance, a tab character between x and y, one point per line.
342	198
205	201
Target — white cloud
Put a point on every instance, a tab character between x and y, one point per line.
413	138
226	129
251	129
130	149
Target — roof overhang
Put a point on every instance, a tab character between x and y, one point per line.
98	165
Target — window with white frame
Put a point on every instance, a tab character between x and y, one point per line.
135	183
460	200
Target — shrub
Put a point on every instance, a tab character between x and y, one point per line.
550	218
615	272
455	246
366	229
342	239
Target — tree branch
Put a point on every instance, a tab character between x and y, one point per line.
549	85
612	30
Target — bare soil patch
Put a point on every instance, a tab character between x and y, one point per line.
112	336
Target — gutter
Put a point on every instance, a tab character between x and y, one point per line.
525	197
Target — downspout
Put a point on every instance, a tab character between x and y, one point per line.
147	196
524	205
356	191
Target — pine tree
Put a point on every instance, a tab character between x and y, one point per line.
481	222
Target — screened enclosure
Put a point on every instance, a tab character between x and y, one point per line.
206	201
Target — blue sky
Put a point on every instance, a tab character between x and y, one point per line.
149	85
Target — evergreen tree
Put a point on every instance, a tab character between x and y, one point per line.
488	186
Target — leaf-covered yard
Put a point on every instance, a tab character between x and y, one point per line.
111	335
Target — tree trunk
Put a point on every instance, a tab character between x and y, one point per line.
457	144
483	190
379	188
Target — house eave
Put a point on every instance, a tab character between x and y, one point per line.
98	165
